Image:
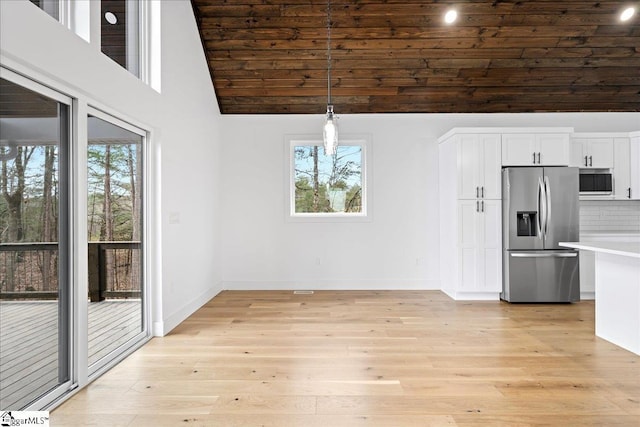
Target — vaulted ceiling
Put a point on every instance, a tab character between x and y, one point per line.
398	56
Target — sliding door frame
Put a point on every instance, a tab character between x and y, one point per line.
114	357
66	262
79	107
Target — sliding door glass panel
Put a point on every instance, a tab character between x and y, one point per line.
34	281
116	291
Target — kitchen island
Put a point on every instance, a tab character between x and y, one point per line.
617	295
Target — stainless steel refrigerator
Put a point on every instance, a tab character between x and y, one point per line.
540	209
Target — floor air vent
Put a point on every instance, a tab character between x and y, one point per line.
303	292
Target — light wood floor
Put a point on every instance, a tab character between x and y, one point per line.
402	358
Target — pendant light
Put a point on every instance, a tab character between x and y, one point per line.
330	133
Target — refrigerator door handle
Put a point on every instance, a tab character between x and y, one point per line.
541	202
543	255
547	214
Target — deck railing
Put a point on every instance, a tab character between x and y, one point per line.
28	271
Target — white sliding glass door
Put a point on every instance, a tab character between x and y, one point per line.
35	285
115	231
73	291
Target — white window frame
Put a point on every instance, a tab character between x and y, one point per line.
84	18
361	140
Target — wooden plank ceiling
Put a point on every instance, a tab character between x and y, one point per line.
398	56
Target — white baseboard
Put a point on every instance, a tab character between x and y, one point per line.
163	328
157	328
587	295
331	285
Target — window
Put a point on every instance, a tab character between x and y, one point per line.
120	33
51	7
322	186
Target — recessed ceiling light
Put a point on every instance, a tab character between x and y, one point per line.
627	14
111	18
451	16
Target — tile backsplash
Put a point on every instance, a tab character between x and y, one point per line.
610	215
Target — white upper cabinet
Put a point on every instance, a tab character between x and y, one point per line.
626	168
594	153
535	149
634	159
479	166
621	168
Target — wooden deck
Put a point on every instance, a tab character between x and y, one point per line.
29	343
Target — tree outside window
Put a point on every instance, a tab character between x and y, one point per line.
328	184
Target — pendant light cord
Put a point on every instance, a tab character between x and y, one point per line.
328	52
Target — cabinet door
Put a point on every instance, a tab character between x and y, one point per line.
600	152
518	149
578	149
490	248
469	158
468	244
553	149
634	156
621	168
491	166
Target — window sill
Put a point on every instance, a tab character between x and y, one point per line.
328	218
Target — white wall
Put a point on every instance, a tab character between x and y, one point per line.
184	120
263	250
238	163
398	249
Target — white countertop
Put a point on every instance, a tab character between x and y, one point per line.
628	249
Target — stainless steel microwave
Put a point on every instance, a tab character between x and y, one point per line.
593	181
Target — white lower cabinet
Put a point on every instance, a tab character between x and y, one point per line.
479	273
470	214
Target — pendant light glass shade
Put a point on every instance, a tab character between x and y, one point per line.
330	133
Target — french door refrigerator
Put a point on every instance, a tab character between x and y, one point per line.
540	209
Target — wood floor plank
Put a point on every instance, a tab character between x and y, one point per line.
370	358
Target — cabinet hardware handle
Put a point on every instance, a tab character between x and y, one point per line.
482	191
538	157
585	161
482	204
629	192
477	192
590	160
534	158
477	206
